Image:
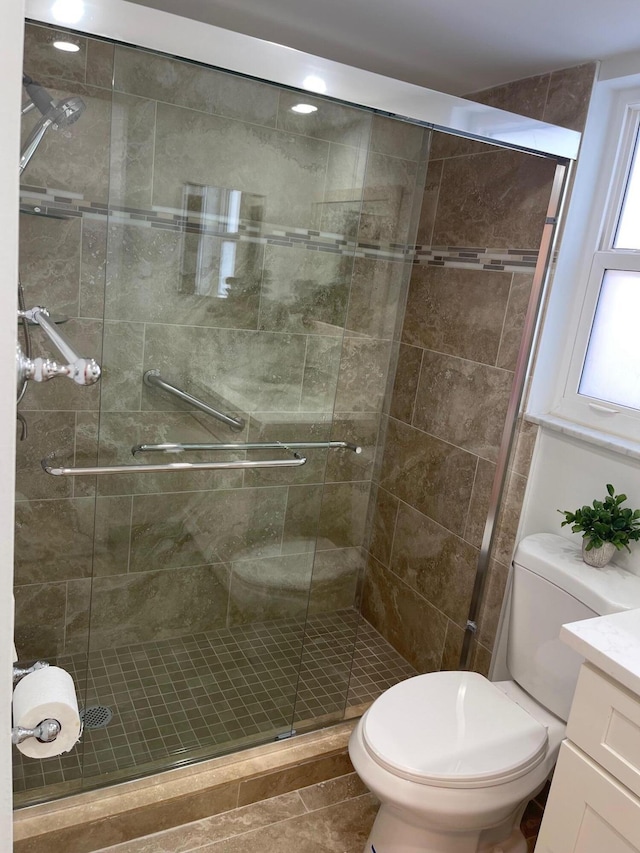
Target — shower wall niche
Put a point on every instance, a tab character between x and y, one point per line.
192	223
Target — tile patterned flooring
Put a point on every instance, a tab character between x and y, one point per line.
206	694
330	817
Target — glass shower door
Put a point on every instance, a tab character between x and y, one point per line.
238	267
223	284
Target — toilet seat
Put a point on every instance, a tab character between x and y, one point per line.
452	730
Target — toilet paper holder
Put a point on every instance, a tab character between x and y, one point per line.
47	730
19	672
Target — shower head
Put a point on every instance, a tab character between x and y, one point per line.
55	114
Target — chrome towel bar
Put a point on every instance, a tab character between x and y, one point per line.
172	466
153	379
265	445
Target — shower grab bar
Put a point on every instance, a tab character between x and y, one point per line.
266	445
173	466
83	371
152	378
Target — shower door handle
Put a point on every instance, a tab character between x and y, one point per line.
245	464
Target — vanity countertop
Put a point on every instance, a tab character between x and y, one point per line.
611	643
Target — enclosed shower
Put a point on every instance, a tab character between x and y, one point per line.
219	539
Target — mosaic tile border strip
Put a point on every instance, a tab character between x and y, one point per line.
471	257
43	201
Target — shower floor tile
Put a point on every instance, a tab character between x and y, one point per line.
206	694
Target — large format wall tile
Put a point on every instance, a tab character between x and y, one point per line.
40	620
50	263
93	268
568	98
190	529
286	169
304	291
398	138
64	546
335	579
343	515
186	84
153	277
383	525
406	382
377	290
459	312
255	371
270	588
49	432
157	605
302	517
321	370
338	209
412	625
99	63
501	203
388	199
132	145
76	158
526	97
122	353
363	372
42	59
77	617
77	537
331	121
434	562
429	474
361	429
286	427
463	402
514	320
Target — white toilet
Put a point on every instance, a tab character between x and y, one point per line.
454	758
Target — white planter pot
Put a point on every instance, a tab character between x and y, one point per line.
598	557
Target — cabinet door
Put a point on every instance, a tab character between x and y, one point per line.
588	810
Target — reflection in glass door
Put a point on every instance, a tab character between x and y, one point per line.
239	267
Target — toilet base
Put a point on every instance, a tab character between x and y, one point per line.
392	832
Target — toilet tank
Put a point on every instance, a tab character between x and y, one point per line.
552	586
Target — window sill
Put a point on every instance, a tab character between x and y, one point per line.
616	444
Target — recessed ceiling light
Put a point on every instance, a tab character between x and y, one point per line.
68	46
314	84
305	109
68	11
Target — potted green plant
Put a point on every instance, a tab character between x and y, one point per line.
605	526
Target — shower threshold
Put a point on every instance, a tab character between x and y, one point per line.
197	696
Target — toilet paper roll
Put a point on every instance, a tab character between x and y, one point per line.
47	694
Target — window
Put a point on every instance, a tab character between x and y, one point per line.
602	389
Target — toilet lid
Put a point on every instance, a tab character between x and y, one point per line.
452	729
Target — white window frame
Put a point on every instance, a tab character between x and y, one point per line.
608	149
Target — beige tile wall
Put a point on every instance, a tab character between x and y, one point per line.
457	354
300	332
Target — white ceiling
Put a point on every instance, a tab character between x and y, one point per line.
454	46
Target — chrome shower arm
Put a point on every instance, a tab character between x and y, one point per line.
83	371
40	316
34	139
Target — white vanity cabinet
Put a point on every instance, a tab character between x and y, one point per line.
594	802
